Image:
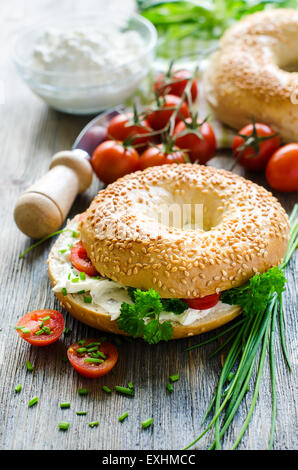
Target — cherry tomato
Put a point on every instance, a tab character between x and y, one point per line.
199	150
202	303
155	156
282	169
111	160
81	359
122	126
41	327
258	146
175	84
159	118
79	259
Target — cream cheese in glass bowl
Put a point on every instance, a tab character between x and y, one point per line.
86	64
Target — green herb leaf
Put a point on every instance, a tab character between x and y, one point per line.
254	296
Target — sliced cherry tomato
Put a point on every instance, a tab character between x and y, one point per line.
282	169
111	160
125	125
175	84
41	327
202	303
159	117
200	148
254	149
82	360
155	156
79	259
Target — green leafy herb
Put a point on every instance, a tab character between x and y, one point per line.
142	318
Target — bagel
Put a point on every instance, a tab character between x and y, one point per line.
255	73
245	231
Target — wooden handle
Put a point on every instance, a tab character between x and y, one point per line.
42	209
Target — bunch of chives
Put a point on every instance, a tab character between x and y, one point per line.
249	342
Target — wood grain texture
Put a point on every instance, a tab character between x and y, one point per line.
30	134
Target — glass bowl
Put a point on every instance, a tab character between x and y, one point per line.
84	92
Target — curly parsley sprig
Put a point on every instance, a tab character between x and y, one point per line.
261	300
141	319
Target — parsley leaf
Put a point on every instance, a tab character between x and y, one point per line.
142	318
254	296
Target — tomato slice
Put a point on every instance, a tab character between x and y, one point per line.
81	359
202	303
41	327
79	259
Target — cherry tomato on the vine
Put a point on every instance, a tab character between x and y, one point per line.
159	117
123	126
79	259
156	156
41	327
91	358
175	84
199	146
254	149
111	160
282	169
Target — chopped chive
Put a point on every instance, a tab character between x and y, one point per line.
29	366
64	405
66	330
94	348
87	300
81	350
130	385
33	401
95	277
93	424
83	391
75	279
174	377
63	251
147	423
82	276
81	342
81	292
170	388
64	291
95	343
47	330
63	425
18	388
39	332
44	319
106	389
122	417
75	234
101	354
94	360
23	329
81	413
124	390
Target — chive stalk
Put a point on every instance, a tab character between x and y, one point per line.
124	390
147	423
63	425
122	417
33	401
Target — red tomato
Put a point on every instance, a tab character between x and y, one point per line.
92	370
123	126
175	84
159	118
155	156
202	303
282	169
199	150
111	160
79	259
46	327
259	147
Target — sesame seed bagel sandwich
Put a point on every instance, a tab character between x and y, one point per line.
156	252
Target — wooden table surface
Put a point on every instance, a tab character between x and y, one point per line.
30	133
